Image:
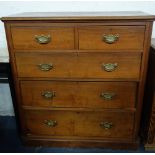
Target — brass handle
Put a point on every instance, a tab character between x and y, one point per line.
110	38
106	125
50	123
42	39
48	94
107	95
45	67
109	67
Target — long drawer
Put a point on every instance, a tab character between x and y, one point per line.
42	38
111	37
51	94
83	65
82	124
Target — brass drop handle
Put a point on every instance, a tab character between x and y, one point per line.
48	94
108	95
109	67
110	38
50	123
45	67
106	125
43	39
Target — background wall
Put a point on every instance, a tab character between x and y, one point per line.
6	107
13	7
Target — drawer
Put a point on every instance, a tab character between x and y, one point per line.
82	124
42	38
83	65
78	94
111	37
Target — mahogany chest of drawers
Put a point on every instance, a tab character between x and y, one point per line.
79	77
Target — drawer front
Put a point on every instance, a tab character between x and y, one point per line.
81	124
83	65
42	38
78	94
111	37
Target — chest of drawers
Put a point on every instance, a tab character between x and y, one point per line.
79	77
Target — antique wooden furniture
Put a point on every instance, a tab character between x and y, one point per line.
148	121
79	77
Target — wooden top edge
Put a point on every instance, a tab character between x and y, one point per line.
121	15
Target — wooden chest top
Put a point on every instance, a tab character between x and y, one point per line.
121	15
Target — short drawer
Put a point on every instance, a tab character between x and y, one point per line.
111	37
82	124
83	65
42	38
78	94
